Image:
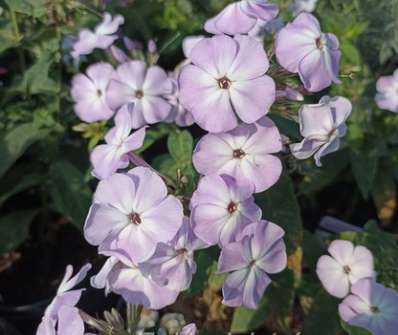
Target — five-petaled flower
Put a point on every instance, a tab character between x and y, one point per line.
112	156
244	153
132	213
322	125
221	208
259	251
371	306
301	47
102	37
144	88
226	82
121	275
61	316
173	263
89	93
346	265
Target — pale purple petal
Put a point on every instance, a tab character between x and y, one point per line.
70	321
252	99
136	288
231	20
189	43
231	258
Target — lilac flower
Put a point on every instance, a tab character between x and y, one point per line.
102	38
173	263
190	329
346	265
88	92
243	153
62	306
387	96
144	87
241	16
221	208
179	114
133	282
133	213
371	306
259	250
108	158
227	76
302	48
322	126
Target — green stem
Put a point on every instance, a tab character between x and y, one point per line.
15	27
133	314
89	9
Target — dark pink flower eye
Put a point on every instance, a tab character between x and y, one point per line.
134	218
239	153
224	83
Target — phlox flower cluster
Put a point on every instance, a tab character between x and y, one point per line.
348	273
224	86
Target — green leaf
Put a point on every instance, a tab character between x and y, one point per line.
7	36
332	166
14	229
16	141
180	145
280	206
275	308
351	54
36	79
69	191
352	330
323	316
286	127
364	168
9	188
35	8
152	135
385	196
205	260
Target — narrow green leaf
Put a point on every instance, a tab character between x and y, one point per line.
14	143
275	308
180	144
287	127
351	330
69	191
364	168
14	229
205	259
280	206
323	315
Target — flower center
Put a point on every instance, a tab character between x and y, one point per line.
224	83
139	94
181	252
238	153
99	93
346	269
134	218
320	43
375	309
232	207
